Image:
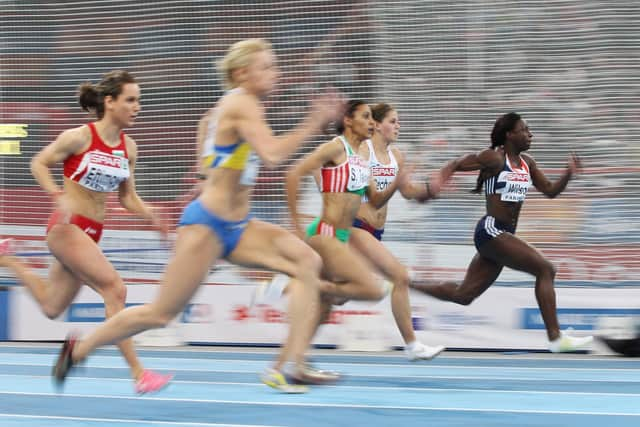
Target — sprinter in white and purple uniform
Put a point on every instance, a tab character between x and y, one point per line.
507	173
386	161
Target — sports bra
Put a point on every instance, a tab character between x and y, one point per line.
351	176
100	167
383	174
512	183
238	156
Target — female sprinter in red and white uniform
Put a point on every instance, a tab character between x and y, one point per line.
98	158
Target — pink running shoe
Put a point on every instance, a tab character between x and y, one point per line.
150	382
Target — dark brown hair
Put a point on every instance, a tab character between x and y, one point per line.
91	96
351	108
380	111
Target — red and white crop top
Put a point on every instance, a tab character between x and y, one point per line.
351	176
100	167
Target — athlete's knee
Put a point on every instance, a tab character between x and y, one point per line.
114	293
401	280
156	317
464	299
309	261
547	269
377	292
162	319
52	312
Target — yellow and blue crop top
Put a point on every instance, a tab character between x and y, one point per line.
238	156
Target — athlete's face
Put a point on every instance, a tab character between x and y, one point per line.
262	73
361	123
125	107
389	128
520	136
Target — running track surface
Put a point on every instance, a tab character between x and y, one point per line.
215	386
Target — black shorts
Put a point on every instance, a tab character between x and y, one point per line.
488	228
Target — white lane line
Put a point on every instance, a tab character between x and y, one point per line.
257	384
338	405
413	366
125	420
337	353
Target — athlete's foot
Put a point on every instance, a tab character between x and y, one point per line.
567	343
272	291
150	382
65	361
276	379
418	351
310	375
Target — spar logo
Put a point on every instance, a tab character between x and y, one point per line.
517	177
379	171
102	159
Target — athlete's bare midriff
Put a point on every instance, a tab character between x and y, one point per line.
376	218
340	209
505	212
223	195
82	201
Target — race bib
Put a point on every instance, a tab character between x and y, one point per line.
359	173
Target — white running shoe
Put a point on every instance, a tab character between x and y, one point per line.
419	351
272	291
567	343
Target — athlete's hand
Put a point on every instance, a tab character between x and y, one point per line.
161	226
328	107
574	165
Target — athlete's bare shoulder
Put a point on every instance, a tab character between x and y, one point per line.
74	139
240	104
491	158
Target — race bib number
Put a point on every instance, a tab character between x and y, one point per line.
515	192
359	173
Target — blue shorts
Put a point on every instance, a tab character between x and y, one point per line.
375	232
488	228
229	232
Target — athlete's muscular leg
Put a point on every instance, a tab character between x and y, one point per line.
481	274
81	256
389	266
519	255
270	246
347	266
195	250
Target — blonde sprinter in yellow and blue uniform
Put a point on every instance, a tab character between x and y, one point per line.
217	224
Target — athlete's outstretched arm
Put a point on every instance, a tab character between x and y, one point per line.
544	185
252	126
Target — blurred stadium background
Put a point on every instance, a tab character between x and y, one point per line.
451	68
